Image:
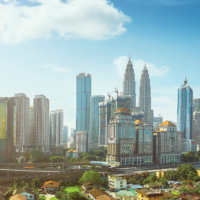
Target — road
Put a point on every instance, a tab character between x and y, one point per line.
28	170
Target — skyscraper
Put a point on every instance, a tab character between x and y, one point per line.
184	110
129	83
8	129
65	134
56	128
196	104
145	96
157	121
41	123
22	121
83	94
196	126
94	118
31	124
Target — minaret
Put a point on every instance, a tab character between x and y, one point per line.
129	82
145	96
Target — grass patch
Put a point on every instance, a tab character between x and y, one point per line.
72	189
175	193
54	198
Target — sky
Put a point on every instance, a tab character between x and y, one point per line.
44	44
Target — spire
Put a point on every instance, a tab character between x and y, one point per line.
129	55
185	82
145	68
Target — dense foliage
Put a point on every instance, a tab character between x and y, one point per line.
91	176
184	172
190	156
76	196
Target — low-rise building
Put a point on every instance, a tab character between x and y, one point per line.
51	186
72	153
117	183
147	194
93	194
86	186
29	193
154	185
18	197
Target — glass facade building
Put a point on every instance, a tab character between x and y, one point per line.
157	121
185	110
196	104
56	128
94	118
65	134
83	94
129	83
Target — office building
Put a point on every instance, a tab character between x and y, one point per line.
94	119
22	122
129	83
41	123
167	144
82	141
65	134
185	110
157	121
196	126
145	96
56	127
196	104
106	111
129	143
31	125
83	94
104	117
8	129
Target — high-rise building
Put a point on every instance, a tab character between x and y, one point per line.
196	104
167	144
196	126
129	143
65	134
56	128
94	119
31	125
106	111
145	96
41	123
22	122
104	116
129	83
82	141
157	121
83	94
8	129
184	110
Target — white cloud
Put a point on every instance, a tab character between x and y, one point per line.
138	65
89	19
56	68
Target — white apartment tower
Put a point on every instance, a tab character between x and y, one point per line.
56	128
145	96
41	123
129	82
22	121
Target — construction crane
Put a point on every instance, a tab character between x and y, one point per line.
121	93
116	90
109	96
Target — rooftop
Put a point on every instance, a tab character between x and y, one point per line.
167	123
148	192
95	193
18	197
121	110
139	122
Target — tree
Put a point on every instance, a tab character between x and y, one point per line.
132	181
198	153
10	193
57	159
93	167
104	183
61	195
164	181
91	176
76	196
18	183
36	183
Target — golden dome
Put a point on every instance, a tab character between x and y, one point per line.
139	122
121	110
167	123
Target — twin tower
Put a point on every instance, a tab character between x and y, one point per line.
129	85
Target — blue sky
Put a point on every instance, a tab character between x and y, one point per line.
45	44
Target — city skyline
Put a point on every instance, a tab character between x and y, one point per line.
51	63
